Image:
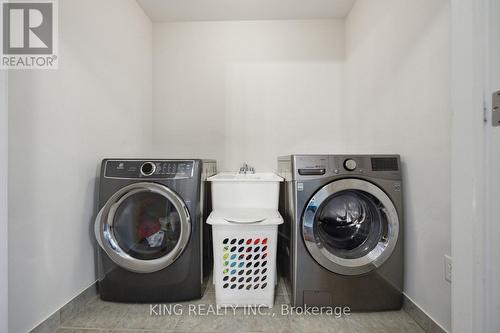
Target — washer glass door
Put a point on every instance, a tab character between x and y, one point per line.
143	227
350	226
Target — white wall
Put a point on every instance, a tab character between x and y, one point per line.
3	202
62	123
398	101
248	90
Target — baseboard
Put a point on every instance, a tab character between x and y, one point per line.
75	305
421	317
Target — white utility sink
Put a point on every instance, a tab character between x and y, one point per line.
236	177
252	190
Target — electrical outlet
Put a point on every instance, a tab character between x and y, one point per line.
447	268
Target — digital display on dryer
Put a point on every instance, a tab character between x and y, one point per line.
385	164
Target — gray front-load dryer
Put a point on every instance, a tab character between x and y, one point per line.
342	240
154	244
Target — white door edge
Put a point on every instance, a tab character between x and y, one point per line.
474	298
3	201
491	230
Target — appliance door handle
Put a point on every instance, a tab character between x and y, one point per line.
97	227
312	172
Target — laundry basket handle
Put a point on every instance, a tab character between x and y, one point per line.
244	222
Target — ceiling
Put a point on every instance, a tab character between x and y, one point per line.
224	10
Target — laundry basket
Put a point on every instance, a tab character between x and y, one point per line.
244	242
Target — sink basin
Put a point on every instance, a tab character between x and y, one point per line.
233	176
253	190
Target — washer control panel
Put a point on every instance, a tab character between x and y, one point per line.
308	167
153	169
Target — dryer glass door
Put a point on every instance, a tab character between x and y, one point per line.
144	227
147	225
350	226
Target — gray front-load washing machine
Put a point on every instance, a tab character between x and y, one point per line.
342	240
154	244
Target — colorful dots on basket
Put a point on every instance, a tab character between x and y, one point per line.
245	263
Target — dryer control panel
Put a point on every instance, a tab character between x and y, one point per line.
149	169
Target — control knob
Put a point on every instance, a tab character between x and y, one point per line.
148	168
350	165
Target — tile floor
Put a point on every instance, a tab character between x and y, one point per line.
104	317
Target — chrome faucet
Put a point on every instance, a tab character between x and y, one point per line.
246	169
